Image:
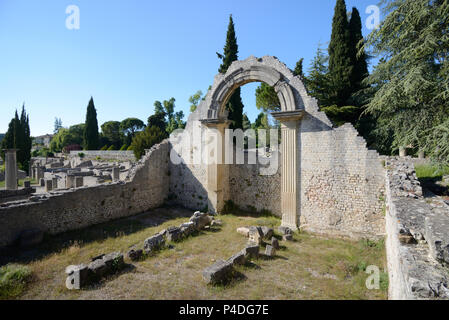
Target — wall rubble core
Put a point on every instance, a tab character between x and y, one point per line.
415	249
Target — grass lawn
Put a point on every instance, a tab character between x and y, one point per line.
310	267
427	171
33	181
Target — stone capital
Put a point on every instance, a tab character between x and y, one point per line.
286	116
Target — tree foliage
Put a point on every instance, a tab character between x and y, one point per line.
230	54
18	137
194	100
411	83
146	139
129	128
91	137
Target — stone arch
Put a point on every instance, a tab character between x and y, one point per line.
291	94
267	69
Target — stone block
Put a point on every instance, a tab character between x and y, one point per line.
114	261
285	230
97	269
201	220
27	184
251	250
255	235
217	222
267	232
238	258
244	231
154	243
135	255
42	182
270	251
48	185
436	229
217	273
187	228
275	243
77	276
287	237
174	234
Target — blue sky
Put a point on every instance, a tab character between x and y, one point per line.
127	54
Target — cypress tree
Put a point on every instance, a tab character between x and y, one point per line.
299	68
230	54
340	62
359	61
91	138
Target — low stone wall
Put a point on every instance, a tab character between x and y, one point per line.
415	271
77	208
105	154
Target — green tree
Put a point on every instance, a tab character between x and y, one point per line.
340	62
230	54
18	137
411	82
57	125
298	71
246	124
129	128
195	100
166	110
111	132
317	80
358	55
91	138
266	98
146	139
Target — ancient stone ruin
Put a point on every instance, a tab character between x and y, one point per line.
321	179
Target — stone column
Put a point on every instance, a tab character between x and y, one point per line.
116	173
217	178
10	169
290	166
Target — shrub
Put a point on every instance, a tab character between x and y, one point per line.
13	280
146	139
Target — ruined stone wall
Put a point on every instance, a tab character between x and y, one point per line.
249	189
105	154
72	209
417	242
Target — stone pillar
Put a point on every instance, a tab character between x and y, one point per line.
402	152
70	182
216	168
11	169
48	185
116	173
27	184
55	183
40	173
290	166
79	182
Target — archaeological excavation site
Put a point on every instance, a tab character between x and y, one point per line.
319	216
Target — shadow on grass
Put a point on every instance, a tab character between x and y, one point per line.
101	283
112	229
434	186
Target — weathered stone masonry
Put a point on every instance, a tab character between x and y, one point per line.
146	188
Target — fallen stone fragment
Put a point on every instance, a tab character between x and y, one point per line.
98	269
285	230
174	234
244	231
267	232
251	250
270	251
77	276
114	261
187	228
238	258
217	273
200	220
275	243
153	243
135	255
216	223
255	235
287	237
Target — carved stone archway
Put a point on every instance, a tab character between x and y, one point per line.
214	116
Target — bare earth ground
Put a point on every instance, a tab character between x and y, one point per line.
310	267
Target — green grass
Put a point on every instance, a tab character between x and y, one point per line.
428	171
33	181
310	267
13	280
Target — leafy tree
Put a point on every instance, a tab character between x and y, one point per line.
166	111
112	133
129	127
58	125
158	120
246	123
195	100
266	98
317	81
298	71
358	55
74	135
230	54
340	62
146	139
411	82
91	138
18	137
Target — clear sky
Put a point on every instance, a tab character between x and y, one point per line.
129	53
